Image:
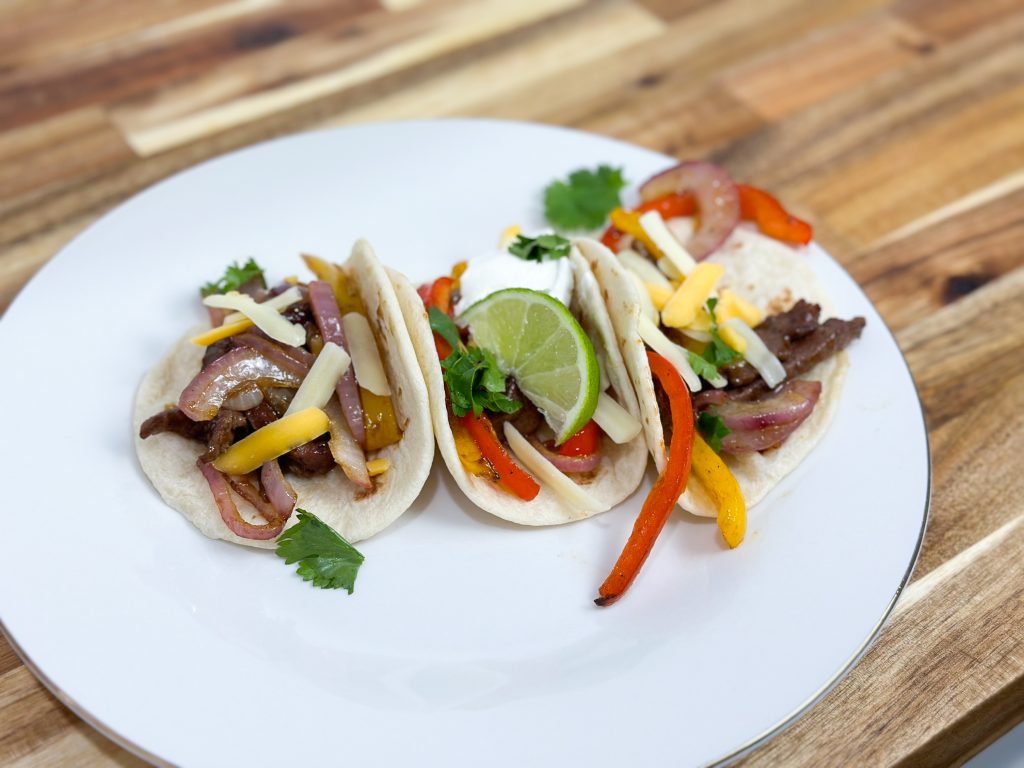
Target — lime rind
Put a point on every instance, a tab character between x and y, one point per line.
536	339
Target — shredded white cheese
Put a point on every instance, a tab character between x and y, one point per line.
366	360
265	318
561	485
318	386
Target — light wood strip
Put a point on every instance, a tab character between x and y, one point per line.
821	66
458	26
605	31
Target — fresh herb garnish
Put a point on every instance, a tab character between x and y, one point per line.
324	557
585	200
475	383
713	428
540	248
444	326
717	352
702	367
234	278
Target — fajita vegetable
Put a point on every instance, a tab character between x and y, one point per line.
533	410
307	394
738	313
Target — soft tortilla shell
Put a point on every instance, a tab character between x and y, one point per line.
170	461
770	275
622	467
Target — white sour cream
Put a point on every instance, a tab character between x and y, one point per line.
499	270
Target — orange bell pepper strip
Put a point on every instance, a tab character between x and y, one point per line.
771	218
714	477
666	491
510	474
584	442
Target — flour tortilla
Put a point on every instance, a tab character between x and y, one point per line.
622	466
170	460
770	275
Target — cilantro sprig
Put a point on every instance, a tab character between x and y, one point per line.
475	383
717	352
324	557
585	199
540	248
235	277
713	428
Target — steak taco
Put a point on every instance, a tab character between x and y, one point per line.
740	315
533	411
304	394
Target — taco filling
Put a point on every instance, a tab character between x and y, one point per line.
527	395
291	385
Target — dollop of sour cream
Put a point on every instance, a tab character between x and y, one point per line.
500	269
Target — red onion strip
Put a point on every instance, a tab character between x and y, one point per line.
295	359
718	201
792	402
280	492
229	512
764	424
568	464
328	319
206	393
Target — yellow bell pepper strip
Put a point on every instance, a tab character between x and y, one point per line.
715	478
348	299
379	420
629	223
273	440
666	491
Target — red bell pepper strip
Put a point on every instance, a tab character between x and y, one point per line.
584	442
671	206
441	294
612	237
666	491
771	218
438	294
511	475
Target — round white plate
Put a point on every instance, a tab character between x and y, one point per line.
468	641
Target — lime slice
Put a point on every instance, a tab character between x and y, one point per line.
536	340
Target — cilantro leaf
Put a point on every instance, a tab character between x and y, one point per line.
713	428
717	352
703	367
540	248
475	383
324	557
585	199
444	327
235	277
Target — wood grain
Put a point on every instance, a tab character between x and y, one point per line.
897	126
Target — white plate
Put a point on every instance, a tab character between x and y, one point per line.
468	641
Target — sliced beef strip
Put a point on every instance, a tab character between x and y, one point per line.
216	350
174	420
779	333
831	336
300	313
527	419
313	458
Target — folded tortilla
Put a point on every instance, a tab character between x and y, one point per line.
622	466
169	460
771	276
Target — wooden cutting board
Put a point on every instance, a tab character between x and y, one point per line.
896	127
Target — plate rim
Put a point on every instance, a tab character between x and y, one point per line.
750	744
